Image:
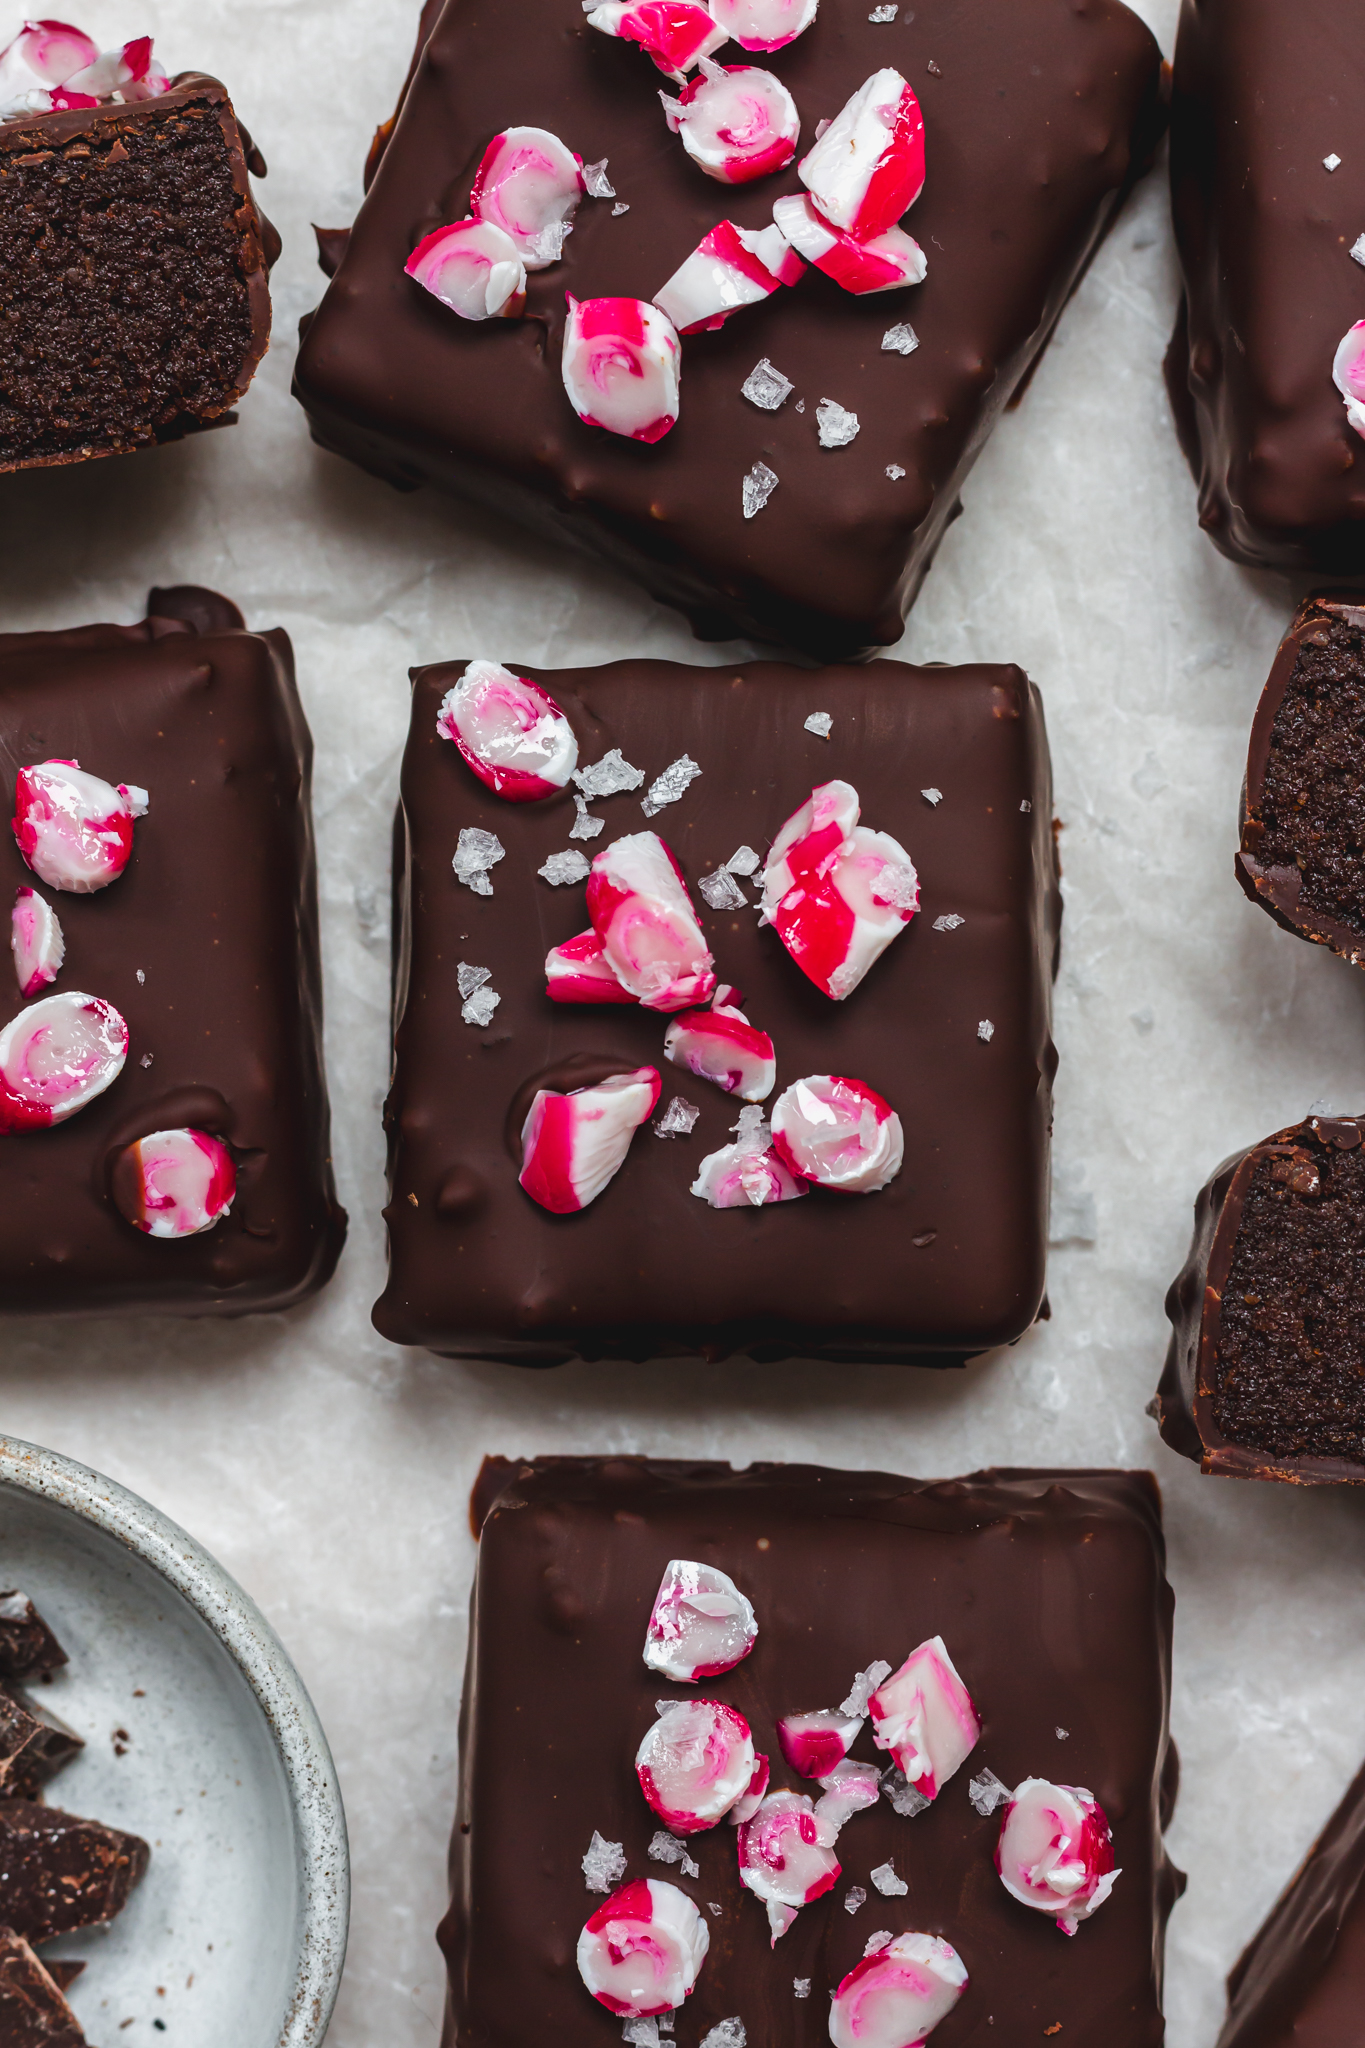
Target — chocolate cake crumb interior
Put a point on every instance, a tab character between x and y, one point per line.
1313	805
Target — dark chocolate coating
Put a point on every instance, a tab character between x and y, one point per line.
949	1258
1038	115
1264	91
218	908
1049	1591
59	1873
33	2012
33	1747
28	1647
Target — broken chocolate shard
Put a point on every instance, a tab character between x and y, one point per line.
59	1872
27	1645
33	1747
33	2011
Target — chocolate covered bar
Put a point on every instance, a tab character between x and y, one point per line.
163	1108
1265	1375
59	1873
792	470
832	905
33	2011
620	1601
1266	370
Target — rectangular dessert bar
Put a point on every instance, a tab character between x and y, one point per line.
951	1025
1049	1592
1037	116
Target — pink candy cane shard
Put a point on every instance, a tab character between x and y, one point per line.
474	268
36	942
621	366
572	1145
510	731
736	123
721	1045
677	34
924	1715
130	71
1055	1851
529	185
882	264
814	1743
50	66
642	1950
783	1859
749	1801
579	972
56	1057
848	1789
764	24
895	1997
835	892
838	1133
730	267
868	166
642	913
1348	374
701	1624
694	1763
175	1183
74	830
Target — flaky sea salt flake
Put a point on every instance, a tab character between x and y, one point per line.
672	784
596	183
641	2033
837	425
949	922
1332	162
819	723
563	868
933	797
863	1687
854	1898
604	1864
888	1884
585	825
986	1792
900	340
743	861
722	891
676	1122
766	387
1358	249
758	487
666	1848
469	978
474	855
607	777
725	2034
887	13
478	1008
985	1030
621	206
904	1798
800	1987
876	1941
714	1908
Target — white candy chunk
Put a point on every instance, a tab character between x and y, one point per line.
836	892
510	731
573	1145
73	829
736	123
863	1687
743	861
472	267
478	1008
529	185
725	2034
782	1859
868	166
759	486
641	1952
675	33
820	723
560	869
894	471
764	24
933	797
839	1133
43	56
1332	162
900	340
1055	1851
814	1743
36	942
608	777
985	1030
896	1996
837	426
641	911
701	1624
923	1714
585	825
56	1057
855	1898
722	1046
986	1792
671	785
604	1865
949	922
475	852
749	1173
678	1119
1348	374
641	2033
174	1184
721	891
621	365
730	268
666	1848
882	263
888	1884
848	1789
693	1764
768	389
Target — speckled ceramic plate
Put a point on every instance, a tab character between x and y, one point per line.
200	1737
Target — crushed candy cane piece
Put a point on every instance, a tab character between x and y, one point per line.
863	1687
743	861
868	166
640	909
574	1144
848	1789
694	1763
678	1119
608	777
510	731
883	263
666	1848
596	183
671	785
837	426
57	1056
478	1008
1348	374
764	24
768	389
985	1030
74	829
855	1898
730	268
561	869
986	1792
472	267
749	1801
800	1987
749	1173
1055	1851
174	1183
896	1996
759	486
722	1046
475	853
604	1865
838	1133
894	471
814	1743
585	825
923	1714
900	340
737	122
836	892
701	1624
579	972
820	723
641	1952
50	67
528	184
36	942
721	891
949	922
782	1859
620	365
888	1884
725	2034
677	34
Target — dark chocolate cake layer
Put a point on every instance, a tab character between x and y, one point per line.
949	1259
1265	92
1303	806
207	945
1037	117
133	275
1049	1591
1265	1376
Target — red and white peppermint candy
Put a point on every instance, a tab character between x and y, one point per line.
640	909
677	34
701	1624
895	1997
923	1714
1348	374
641	1951
36	942
848	1789
694	1763
1055	1851
529	184
579	972
50	66
175	1183
621	366
131	71
573	1145
74	830
57	1056
764	24
814	1743
839	1133
737	122
729	268
881	265
868	166
721	1045
474	268
785	1857
749	1801
835	892
510	731
746	1176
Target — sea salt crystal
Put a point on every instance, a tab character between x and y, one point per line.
894	471
742	861
1026	806
863	1687
1063	1734
641	2033
725	2034
474	855
713	1909
1330	163
1358	248
676	1122
876	1941
800	1987
666	1848
562	868
621	206
884	13
677	777
900	340
932	796
666	2022
819	723
949	922
146	1060
469	978
722	891
604	1865
820	128
608	777
837	425
141	978
759	486
888	1884
985	1030
986	1792
854	1897
585	826
801	403
766	387
905	1799
478	1008
596	183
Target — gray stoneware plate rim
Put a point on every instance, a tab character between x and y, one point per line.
322	1857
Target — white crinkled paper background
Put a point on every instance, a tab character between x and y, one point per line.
330	1471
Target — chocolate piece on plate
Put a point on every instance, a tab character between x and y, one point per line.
165	930
1303	813
1268	189
1036	119
28	1647
1265	1375
59	1872
926	1238
33	2011
810	1581
33	1747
